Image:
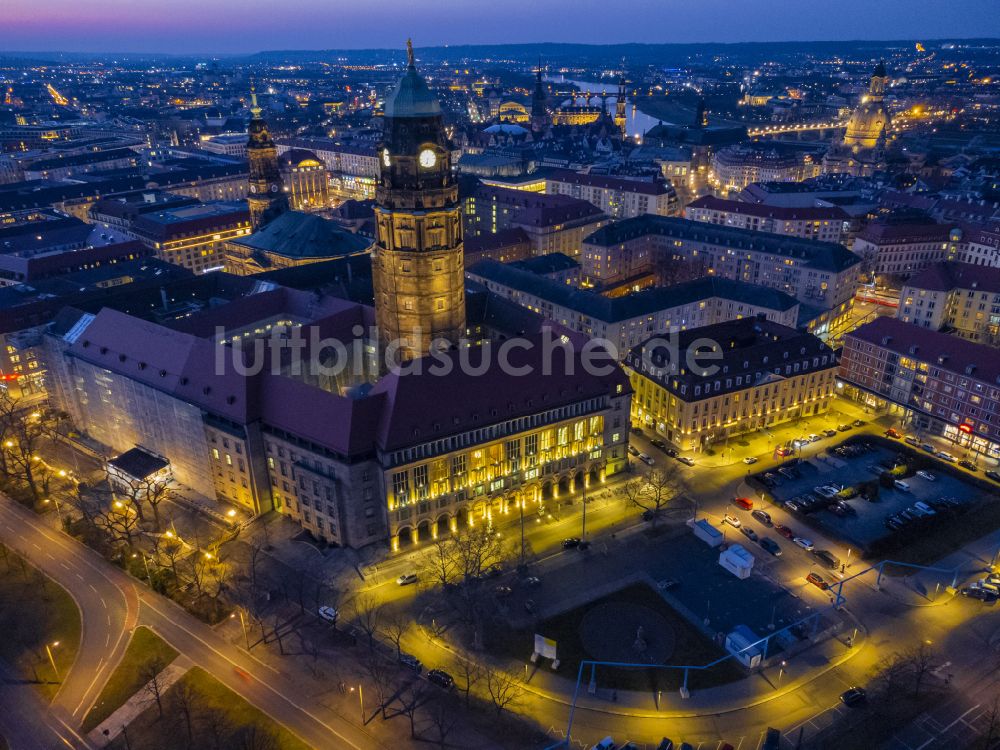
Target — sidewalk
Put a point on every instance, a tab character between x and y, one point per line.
760	686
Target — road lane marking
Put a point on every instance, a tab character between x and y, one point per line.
104	603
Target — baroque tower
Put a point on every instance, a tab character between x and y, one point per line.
869	121
418	266
620	105
539	113
267	199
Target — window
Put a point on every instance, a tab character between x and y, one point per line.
401	486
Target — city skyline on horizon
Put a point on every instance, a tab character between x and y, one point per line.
186	27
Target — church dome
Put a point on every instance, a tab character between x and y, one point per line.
412	97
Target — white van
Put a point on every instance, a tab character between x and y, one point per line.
901	485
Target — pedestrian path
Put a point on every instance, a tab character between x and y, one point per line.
111	727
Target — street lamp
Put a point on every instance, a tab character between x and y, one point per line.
361	698
52	660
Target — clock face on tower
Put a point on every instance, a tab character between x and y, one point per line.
385	157
427	158
274	188
253	188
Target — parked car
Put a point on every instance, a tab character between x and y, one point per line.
911	440
995	476
925	509
817	580
900	485
854	696
441	678
502	591
670	452
968	465
814	438
792	506
858	423
328	613
667	583
657	443
891	433
633	451
978	593
926	475
804	543
646	459
749	533
763	517
406	579
946	456
732	520
784	531
750	460
686	460
532	581
789	473
770	545
570	542
927	447
828	433
409	660
743	502
784	451
827	558
843	427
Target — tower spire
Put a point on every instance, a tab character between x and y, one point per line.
254	108
409	53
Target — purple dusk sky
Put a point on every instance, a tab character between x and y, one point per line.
228	26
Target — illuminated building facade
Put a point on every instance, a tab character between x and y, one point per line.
762	374
305	179
194	237
933	381
418	266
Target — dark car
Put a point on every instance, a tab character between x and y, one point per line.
993	475
983	595
670	452
749	533
532	581
502	591
829	433
770	545
763	517
827	558
570	543
854	696
657	443
784	531
967	464
441	678
409	660
843	427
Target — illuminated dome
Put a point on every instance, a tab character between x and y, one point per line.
870	120
412	96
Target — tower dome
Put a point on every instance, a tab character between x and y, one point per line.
412	97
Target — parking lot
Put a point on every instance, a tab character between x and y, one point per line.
858	521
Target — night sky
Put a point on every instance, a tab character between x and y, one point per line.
234	26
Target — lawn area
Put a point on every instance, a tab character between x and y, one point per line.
690	646
944	537
199	711
35	611
145	649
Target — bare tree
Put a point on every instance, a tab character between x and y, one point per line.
504	688
368	613
921	661
383	676
655	489
138	493
185	700
152	674
443	718
411	699
394	628
470	672
441	566
26	433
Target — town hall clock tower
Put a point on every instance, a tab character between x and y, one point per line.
267	197
417	261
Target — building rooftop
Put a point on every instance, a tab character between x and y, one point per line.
731	356
546	264
781	213
608	182
824	256
295	234
943	277
646	302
